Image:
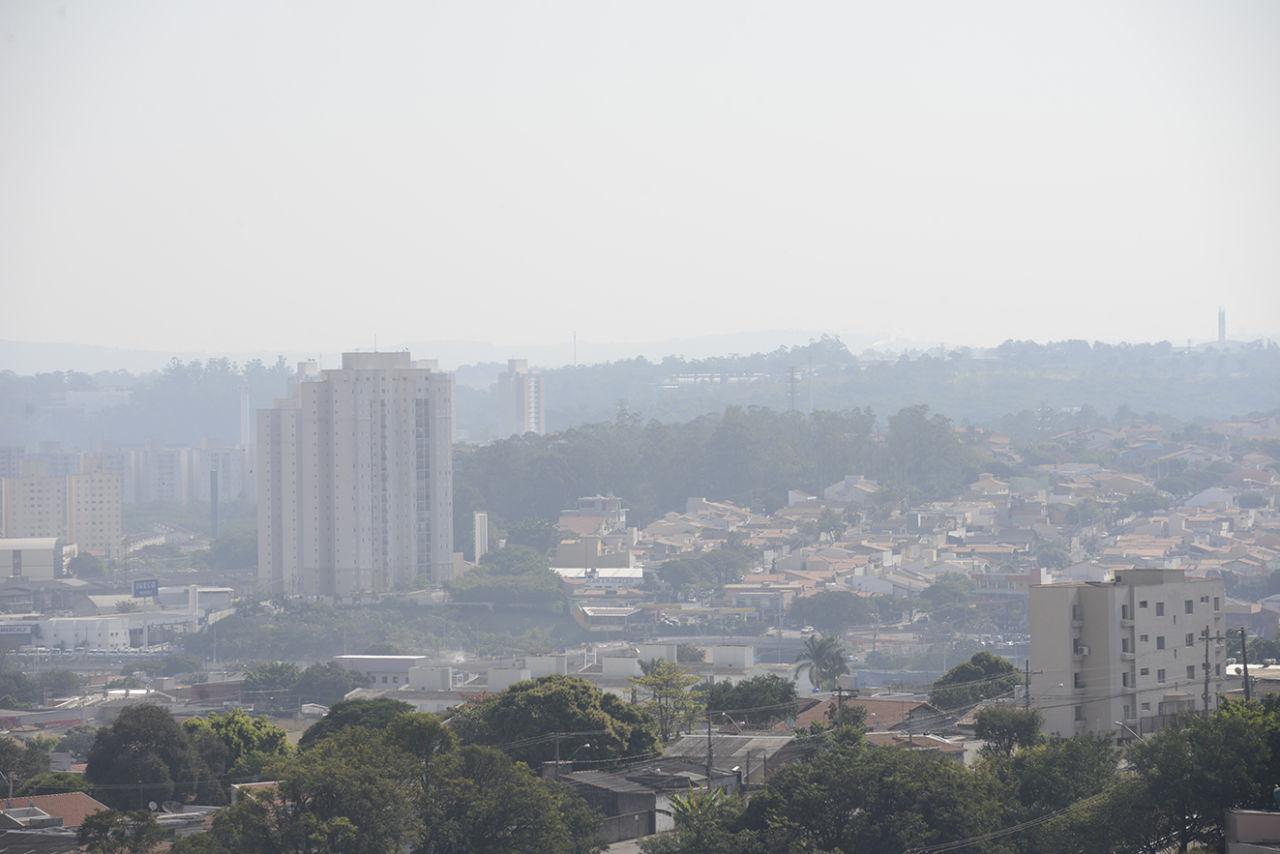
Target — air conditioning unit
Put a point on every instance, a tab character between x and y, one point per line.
1084	650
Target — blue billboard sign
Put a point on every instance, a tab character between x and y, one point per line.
145	589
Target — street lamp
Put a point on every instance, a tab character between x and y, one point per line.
1136	735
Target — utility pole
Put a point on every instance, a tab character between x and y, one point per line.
779	628
1244	659
1205	696
1026	685
710	750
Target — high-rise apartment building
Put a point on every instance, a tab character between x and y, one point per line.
1127	656
35	503
355	478
83	508
521	402
11	460
480	536
94	510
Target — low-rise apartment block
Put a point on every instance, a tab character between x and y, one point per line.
1129	656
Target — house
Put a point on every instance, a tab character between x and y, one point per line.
637	802
908	713
754	754
68	810
928	743
38	842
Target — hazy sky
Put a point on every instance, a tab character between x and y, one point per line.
305	175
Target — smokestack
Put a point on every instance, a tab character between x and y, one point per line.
1222	325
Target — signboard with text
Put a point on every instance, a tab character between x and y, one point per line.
147	588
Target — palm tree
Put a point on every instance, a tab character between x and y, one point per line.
824	659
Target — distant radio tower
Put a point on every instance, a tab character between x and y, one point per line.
1222	325
795	379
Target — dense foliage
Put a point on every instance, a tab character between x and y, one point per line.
512	575
837	610
981	677
748	455
704	572
402	783
19	690
301	631
1057	796
531	711
282	685
146	756
757	701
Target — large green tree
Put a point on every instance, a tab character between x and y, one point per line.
664	692
234	745
143	756
483	803
982	677
327	683
849	797
365	714
756	701
1007	727
824	659
112	832
533	710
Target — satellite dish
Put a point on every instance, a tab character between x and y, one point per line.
151	805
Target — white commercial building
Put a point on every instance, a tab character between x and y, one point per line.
31	558
1127	656
382	670
355	479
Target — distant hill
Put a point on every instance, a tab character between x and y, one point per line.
193	400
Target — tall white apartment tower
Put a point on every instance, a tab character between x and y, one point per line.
480	540
355	478
521	401
1127	656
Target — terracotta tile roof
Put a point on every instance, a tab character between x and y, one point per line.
72	807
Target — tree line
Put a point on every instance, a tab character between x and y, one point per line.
752	456
1025	795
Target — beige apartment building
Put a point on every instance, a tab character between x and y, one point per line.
355	478
84	509
35	504
522	402
1125	657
